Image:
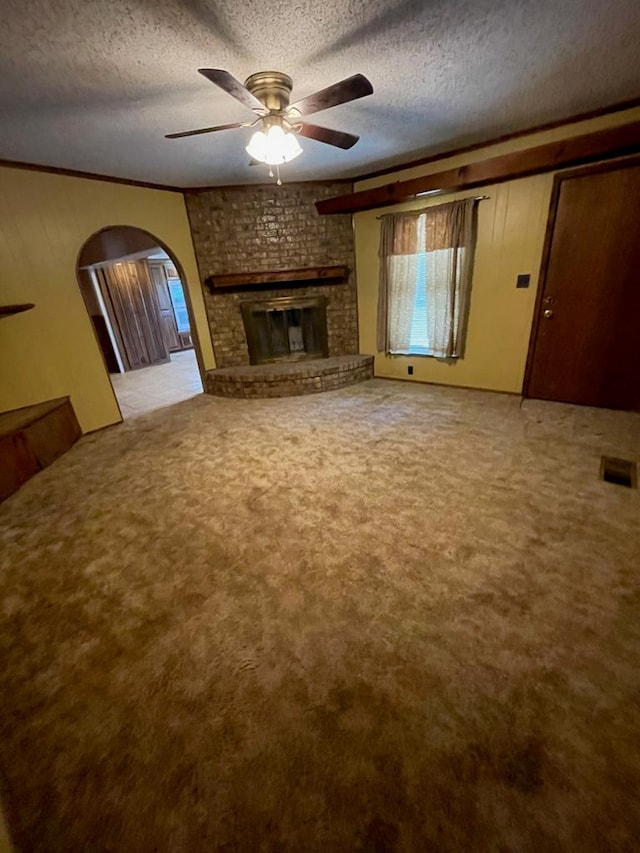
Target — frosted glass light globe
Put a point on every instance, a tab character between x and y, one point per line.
275	147
257	146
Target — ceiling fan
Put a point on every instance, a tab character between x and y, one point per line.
279	122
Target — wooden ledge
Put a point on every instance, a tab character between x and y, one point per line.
277	279
17	419
8	310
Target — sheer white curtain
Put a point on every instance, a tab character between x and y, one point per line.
403	284
425	278
437	326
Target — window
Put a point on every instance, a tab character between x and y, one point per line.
179	305
428	301
425	280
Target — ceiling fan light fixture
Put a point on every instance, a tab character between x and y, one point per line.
291	147
267	94
274	147
257	147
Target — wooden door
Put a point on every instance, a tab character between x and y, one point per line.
158	275
134	305
585	345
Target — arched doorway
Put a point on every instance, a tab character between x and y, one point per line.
136	295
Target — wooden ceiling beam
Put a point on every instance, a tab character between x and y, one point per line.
588	148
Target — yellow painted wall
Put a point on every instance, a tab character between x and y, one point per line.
51	351
511	229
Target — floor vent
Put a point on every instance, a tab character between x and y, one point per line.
621	472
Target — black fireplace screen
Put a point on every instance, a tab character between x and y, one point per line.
286	329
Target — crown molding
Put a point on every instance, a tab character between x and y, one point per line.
90	176
620	106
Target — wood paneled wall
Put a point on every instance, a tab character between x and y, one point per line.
511	224
511	229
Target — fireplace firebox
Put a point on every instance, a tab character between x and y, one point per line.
289	328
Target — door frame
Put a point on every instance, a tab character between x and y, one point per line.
180	269
558	178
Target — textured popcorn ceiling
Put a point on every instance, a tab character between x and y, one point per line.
94	84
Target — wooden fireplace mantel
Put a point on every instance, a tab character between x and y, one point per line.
277	279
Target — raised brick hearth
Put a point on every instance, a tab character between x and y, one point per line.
289	379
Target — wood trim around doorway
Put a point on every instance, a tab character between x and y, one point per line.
592	169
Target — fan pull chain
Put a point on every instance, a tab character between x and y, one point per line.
271	175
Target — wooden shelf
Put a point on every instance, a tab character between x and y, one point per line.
8	310
277	279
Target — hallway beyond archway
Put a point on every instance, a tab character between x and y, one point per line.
134	292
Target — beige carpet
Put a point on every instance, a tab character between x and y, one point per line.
389	618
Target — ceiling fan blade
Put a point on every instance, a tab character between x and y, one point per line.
232	86
204	130
331	137
346	90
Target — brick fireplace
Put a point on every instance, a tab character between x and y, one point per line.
268	229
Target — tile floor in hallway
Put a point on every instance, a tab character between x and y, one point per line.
149	388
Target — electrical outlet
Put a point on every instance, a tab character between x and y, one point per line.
523	280
410	370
